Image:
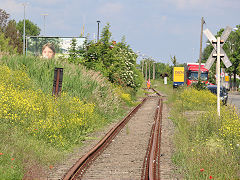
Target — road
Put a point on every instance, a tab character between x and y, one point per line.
234	99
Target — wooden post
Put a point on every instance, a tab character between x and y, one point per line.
200	53
57	82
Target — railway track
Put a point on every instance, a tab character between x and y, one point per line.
126	151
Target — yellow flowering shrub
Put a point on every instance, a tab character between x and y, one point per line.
227	127
124	96
58	121
193	99
230	126
206	145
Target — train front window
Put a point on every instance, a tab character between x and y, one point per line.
204	76
193	75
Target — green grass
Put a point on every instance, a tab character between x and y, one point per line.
26	138
87	85
166	89
206	146
19	151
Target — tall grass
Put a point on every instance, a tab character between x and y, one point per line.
207	146
36	127
87	85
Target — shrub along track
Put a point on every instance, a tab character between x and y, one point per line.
126	152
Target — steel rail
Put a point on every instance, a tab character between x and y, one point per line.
151	165
154	153
80	166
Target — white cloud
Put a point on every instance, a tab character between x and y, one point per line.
164	18
110	8
204	4
11	6
49	2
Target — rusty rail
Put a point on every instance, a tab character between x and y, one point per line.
154	154
151	164
80	166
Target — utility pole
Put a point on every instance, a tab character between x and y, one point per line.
146	72
24	5
142	66
200	54
153	70
149	73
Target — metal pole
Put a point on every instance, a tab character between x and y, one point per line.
218	75
200	54
24	5
44	18
98	31
44	25
26	45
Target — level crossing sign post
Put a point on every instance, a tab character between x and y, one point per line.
218	53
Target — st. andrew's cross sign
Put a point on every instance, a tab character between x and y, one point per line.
213	41
216	54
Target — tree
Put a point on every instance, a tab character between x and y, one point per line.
14	36
31	29
73	51
106	35
115	60
3	19
232	49
174	60
5	48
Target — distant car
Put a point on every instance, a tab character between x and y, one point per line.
223	92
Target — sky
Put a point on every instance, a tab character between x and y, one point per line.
159	29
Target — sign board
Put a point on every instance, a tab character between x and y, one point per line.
50	47
218	53
222	74
227	78
213	41
178	74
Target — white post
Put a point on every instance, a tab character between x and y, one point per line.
165	80
218	76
